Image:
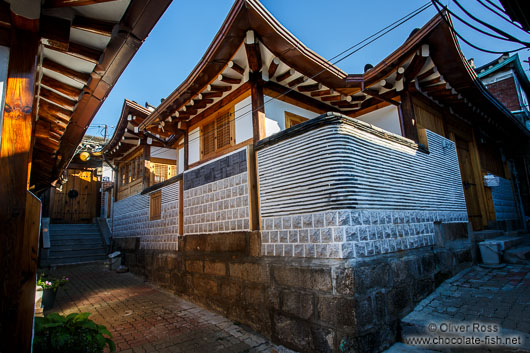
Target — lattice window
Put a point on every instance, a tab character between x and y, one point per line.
155	205
208	138
223	129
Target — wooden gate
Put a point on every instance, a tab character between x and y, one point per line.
77	201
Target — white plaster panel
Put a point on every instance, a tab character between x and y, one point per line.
194	146
386	118
275	112
181	161
166	153
243	120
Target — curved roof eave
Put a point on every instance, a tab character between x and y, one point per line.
249	15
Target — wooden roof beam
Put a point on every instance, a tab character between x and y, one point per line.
273	67
208	95
217	88
69	3
285	75
71	92
297	81
102	28
309	88
234	66
228	79
324	92
417	63
427	73
65	71
81	52
57	99
375	94
253	51
54	111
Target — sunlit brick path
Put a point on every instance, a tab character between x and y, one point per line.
143	318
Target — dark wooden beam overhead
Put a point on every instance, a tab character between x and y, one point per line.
430	82
273	67
65	89
55	32
228	79
332	98
427	73
57	99
63	70
81	52
234	66
375	94
253	52
414	67
54	112
215	94
218	88
408	121
435	88
70	3
54	120
324	92
299	97
285	75
358	98
297	81
102	28
310	88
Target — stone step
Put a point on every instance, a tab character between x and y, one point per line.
74	260
72	226
517	255
63	245
508	241
486	234
74	232
96	251
74	237
405	348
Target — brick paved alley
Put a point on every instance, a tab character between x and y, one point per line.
143	318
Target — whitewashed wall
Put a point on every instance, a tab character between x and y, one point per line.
4	64
131	219
243	120
166	153
386	118
194	144
275	114
180	165
345	190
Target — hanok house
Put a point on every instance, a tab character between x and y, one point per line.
315	206
58	62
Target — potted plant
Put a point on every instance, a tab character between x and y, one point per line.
50	287
74	333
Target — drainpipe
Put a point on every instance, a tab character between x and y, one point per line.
518	193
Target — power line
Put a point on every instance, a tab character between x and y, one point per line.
370	39
498	14
436	3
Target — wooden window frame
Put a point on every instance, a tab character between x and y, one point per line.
213	118
155	206
290	117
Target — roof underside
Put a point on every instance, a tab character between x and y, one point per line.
429	61
84	48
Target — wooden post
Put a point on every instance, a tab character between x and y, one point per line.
186	149
146	176
19	263
253	197
258	108
408	122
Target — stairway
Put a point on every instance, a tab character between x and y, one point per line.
74	244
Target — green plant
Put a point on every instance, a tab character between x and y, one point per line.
74	333
51	283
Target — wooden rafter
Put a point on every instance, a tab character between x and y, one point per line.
81	52
253	52
324	92
57	99
297	81
54	112
228	79
310	87
234	66
63	70
218	88
91	25
273	67
285	75
65	89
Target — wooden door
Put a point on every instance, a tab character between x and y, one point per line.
471	186
77	201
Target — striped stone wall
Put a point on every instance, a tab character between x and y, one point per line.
346	189
131	219
216	196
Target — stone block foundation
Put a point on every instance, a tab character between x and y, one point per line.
309	305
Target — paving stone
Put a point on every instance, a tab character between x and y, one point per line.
146	319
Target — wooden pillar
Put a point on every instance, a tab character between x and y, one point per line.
258	107
409	128
146	176
18	247
186	150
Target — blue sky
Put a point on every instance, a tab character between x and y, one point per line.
184	32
